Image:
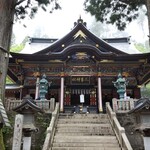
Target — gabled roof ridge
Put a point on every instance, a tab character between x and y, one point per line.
58	41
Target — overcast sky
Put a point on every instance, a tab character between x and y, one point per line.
60	22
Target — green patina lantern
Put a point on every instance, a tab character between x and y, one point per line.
120	84
43	87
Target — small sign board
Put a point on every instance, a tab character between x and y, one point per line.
81	98
17	132
80	80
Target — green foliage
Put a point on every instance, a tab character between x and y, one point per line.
142	47
30	7
8	132
120	12
145	90
1	140
25	40
13	38
42	122
17	48
8	80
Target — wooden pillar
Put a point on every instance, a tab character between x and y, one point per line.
62	95
137	93
114	93
100	107
20	94
37	88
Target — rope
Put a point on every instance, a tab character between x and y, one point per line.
4	115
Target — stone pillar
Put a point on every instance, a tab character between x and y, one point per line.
146	143
17	132
27	143
37	88
62	95
52	104
100	108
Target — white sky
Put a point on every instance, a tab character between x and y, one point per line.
60	22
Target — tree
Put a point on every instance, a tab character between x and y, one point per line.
145	90
104	30
118	12
13	39
142	47
11	10
16	48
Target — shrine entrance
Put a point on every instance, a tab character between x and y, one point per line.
81	99
75	97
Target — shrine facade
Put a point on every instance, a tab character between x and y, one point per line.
80	63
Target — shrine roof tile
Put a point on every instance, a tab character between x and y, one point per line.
142	103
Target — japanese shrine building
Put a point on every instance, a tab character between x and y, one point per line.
80	63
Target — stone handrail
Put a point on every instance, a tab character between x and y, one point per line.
123	106
51	129
119	131
46	105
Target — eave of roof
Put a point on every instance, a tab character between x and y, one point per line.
79	26
117	40
141	104
27	103
42	40
53	56
13	87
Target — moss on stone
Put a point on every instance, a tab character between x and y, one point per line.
2	147
41	122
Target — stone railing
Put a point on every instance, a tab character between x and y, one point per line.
51	129
46	105
119	131
123	106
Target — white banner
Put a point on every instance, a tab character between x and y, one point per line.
81	98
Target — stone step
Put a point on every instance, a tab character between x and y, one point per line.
84	132
76	120
85	145
85	139
102	130
85	148
107	129
83	116
99	133
84	129
83	125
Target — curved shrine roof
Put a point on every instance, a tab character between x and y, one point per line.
78	36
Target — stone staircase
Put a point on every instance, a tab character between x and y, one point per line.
84	132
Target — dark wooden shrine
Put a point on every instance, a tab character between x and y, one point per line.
80	58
